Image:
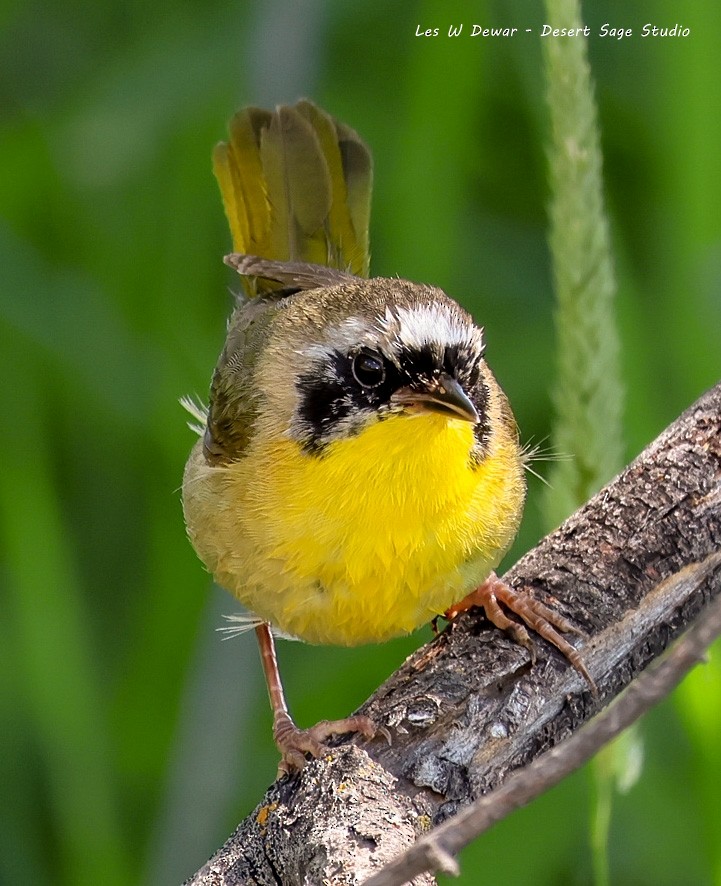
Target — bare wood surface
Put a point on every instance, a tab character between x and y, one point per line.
631	569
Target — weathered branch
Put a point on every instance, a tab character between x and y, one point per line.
632	569
435	851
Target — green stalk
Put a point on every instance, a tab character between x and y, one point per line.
588	396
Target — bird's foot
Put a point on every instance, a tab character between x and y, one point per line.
539	617
294	743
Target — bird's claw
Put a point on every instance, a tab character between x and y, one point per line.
294	743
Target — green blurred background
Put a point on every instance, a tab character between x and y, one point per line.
132	740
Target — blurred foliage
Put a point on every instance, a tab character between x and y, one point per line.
131	738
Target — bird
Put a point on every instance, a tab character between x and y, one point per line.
358	470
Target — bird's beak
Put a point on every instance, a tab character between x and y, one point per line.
444	394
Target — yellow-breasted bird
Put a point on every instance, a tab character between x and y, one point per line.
359	470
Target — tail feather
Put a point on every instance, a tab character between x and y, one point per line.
341	234
299	186
358	175
239	172
296	186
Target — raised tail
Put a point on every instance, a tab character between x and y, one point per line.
296	186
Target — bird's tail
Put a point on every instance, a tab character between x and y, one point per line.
296	186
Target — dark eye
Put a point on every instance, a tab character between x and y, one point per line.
368	369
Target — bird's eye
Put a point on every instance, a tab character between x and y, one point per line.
368	369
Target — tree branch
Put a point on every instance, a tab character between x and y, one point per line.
632	568
436	851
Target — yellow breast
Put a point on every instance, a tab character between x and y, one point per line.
371	539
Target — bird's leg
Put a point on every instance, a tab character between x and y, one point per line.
539	617
292	742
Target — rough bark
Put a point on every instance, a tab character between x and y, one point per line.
631	569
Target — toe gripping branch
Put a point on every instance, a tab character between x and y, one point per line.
536	615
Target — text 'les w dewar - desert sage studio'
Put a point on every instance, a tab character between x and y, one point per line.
606	30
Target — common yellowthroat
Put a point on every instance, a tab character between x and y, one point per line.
359	470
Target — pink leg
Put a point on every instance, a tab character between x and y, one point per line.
294	743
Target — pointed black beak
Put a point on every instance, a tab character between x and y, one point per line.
444	394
